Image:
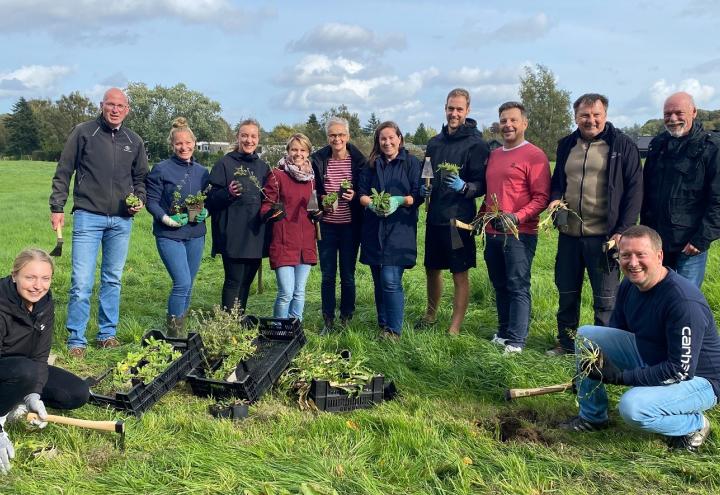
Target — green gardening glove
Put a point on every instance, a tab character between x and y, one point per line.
395	202
200	217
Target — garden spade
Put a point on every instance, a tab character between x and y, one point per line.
455	239
427	174
313	207
111	426
514	393
58	247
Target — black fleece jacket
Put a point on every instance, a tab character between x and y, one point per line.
26	333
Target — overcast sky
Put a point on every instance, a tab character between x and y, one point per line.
280	61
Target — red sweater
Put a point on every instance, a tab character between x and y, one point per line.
520	180
293	237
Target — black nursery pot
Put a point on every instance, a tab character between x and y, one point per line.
561	219
235	411
342	191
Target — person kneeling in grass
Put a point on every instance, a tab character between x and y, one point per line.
662	341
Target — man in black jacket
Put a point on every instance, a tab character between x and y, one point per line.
682	188
599	177
109	163
452	195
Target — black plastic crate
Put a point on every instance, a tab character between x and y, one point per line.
332	399
142	396
279	342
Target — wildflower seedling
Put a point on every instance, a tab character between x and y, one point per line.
381	200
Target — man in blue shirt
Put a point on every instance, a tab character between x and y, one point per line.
662	341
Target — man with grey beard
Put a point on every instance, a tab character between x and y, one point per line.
682	188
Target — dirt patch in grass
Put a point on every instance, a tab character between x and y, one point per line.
517	426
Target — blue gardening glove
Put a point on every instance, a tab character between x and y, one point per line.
502	223
426	191
7	451
454	182
34	404
200	217
177	220
395	202
602	369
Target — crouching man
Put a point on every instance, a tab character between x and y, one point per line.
662	341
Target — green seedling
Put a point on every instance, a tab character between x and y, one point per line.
381	200
132	201
346	184
242	171
329	200
195	200
449	168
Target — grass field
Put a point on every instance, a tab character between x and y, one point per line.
449	431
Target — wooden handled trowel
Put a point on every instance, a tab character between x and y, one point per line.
427	174
313	207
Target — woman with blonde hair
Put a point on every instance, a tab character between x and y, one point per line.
179	240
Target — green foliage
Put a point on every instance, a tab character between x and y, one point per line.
372	124
381	200
144	365
343	112
548	109
421	135
329	200
346	184
193	200
449	168
315	132
282	132
132	201
22	129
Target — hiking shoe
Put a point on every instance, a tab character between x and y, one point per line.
108	343
512	349
558	351
345	319
77	352
498	340
423	324
582	425
692	441
328	326
389	335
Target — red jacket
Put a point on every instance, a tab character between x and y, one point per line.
520	180
293	237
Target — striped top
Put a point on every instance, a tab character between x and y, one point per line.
337	171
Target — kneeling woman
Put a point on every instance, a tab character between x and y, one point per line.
27	317
292	250
389	231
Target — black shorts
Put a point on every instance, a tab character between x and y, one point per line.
439	254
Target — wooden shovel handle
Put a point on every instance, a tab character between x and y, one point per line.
58	231
112	426
514	393
463	225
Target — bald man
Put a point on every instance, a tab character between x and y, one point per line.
682	188
109	163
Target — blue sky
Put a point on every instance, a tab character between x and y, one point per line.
280	61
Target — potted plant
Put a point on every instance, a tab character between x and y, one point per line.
345	186
446	169
194	204
132	201
229	409
330	201
381	200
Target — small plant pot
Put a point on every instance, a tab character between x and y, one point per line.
235	411
342	191
561	219
193	211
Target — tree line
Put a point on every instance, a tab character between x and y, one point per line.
38	128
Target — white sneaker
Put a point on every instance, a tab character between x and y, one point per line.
498	340
511	349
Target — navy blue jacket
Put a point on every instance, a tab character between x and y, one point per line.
674	330
391	240
162	182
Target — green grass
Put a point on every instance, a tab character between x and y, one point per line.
448	432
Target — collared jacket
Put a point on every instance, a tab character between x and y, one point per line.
682	189
391	240
108	165
319	161
467	149
164	180
26	333
625	177
237	230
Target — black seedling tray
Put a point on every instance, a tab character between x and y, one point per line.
141	396
331	399
278	343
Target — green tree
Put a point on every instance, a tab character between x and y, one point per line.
315	131
282	132
372	124
22	130
342	111
409	138
652	127
421	135
3	134
75	109
548	108
633	131
153	110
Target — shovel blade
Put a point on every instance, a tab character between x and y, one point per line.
427	171
313	202
455	239
57	251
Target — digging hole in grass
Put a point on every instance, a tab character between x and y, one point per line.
517	426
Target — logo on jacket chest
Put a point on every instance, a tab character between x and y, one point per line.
127	148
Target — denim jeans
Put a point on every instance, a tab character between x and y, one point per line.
90	232
182	260
690	267
338	242
672	410
291	282
509	262
389	296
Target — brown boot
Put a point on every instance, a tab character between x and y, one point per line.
175	326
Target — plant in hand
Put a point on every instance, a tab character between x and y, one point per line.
346	184
555	215
132	201
329	201
242	171
497	217
449	168
381	201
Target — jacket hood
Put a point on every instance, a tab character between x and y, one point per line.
467	129
11	302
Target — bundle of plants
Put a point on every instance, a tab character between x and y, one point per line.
132	201
492	216
141	366
225	338
447	168
194	203
242	171
330	201
558	215
340	370
381	200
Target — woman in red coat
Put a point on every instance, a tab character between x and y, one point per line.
292	250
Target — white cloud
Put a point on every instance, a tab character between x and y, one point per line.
336	38
661	89
32	80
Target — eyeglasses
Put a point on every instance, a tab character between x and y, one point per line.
336	136
114	106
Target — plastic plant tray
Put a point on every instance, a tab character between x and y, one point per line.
332	399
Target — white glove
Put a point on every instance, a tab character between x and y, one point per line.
170	222
7	452
34	404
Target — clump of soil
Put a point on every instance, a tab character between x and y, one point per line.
517	426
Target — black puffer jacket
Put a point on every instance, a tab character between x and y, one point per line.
467	149
23	333
108	165
682	189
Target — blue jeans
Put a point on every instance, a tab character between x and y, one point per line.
672	410
90	231
291	282
338	241
509	261
182	260
691	267
389	296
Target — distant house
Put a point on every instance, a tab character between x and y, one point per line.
494	144
212	146
643	143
